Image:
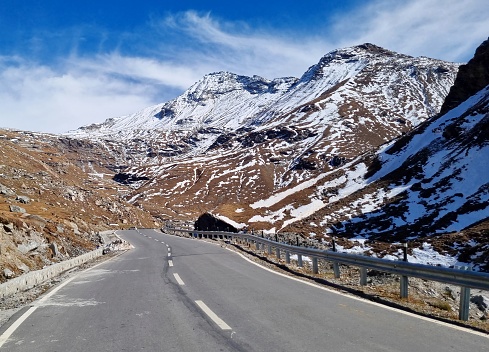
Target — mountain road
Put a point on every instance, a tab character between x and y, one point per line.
177	294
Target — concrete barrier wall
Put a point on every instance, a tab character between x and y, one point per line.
37	277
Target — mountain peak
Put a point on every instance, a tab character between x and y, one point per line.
352	59
360	51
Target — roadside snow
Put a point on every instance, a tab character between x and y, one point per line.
233	223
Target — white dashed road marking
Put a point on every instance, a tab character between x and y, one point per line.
170	263
179	279
213	316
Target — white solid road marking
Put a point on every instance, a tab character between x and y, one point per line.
213	316
460	328
179	279
4	337
15	325
170	263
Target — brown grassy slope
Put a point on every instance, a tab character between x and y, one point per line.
67	203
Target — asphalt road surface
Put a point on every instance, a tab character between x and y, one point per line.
177	294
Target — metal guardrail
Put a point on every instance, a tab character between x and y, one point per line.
464	278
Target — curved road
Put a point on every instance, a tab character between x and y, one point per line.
176	294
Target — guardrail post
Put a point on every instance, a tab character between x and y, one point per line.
277	252
404	283
315	266
363	276
336	270
336	266
404	287
299	260
287	257
463	313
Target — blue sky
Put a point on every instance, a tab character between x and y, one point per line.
64	64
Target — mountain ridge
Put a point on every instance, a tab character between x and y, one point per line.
220	83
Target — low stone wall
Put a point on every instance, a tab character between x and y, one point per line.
37	277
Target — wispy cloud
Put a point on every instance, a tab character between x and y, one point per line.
140	69
38	98
180	48
236	47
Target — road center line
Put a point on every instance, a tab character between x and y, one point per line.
179	279
213	316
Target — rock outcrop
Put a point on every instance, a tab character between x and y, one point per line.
471	78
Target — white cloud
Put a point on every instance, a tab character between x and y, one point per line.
142	69
37	98
240	49
83	90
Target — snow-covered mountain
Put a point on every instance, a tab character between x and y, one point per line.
230	141
352	100
354	147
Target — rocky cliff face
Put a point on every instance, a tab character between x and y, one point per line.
471	78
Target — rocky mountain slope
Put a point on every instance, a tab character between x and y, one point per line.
54	201
430	187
